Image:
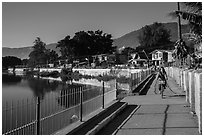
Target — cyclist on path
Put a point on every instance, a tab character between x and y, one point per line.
162	76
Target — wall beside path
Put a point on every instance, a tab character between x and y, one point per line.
191	82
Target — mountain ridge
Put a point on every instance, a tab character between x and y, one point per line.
23	52
128	40
131	39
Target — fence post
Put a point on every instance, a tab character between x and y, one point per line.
137	78
81	104
103	102
116	87
38	116
131	82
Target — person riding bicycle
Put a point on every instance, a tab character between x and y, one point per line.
162	76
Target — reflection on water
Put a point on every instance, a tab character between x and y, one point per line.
21	93
40	86
11	79
14	86
56	96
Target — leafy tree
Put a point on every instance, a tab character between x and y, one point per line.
66	47
101	42
127	51
25	62
52	56
85	44
154	35
146	36
38	55
11	61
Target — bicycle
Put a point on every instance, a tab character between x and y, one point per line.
161	87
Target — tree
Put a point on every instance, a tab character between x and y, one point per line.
127	51
66	47
51	56
102	42
193	14
154	35
146	36
25	62
10	61
38	55
86	44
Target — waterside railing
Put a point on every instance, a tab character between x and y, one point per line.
42	116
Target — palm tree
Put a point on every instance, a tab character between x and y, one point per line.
192	13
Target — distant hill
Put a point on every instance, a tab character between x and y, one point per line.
25	51
131	39
128	40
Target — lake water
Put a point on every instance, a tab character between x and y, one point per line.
16	88
19	95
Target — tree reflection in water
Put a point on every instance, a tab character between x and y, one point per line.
41	86
11	79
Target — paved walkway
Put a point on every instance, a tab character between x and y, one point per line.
157	116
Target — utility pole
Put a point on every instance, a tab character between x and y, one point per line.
179	22
147	58
179	28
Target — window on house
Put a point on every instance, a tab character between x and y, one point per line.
156	55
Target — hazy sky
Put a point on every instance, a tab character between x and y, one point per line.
23	22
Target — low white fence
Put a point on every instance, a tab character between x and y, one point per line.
191	82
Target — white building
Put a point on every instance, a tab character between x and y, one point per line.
162	56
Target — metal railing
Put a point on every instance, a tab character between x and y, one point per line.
138	77
45	116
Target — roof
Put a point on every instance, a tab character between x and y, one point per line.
141	55
167	51
137	60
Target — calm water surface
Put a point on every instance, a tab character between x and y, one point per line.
19	94
16	88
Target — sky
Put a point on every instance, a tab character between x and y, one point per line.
52	21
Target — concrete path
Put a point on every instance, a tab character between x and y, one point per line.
157	116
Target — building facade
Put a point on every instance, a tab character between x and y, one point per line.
139	59
161	57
